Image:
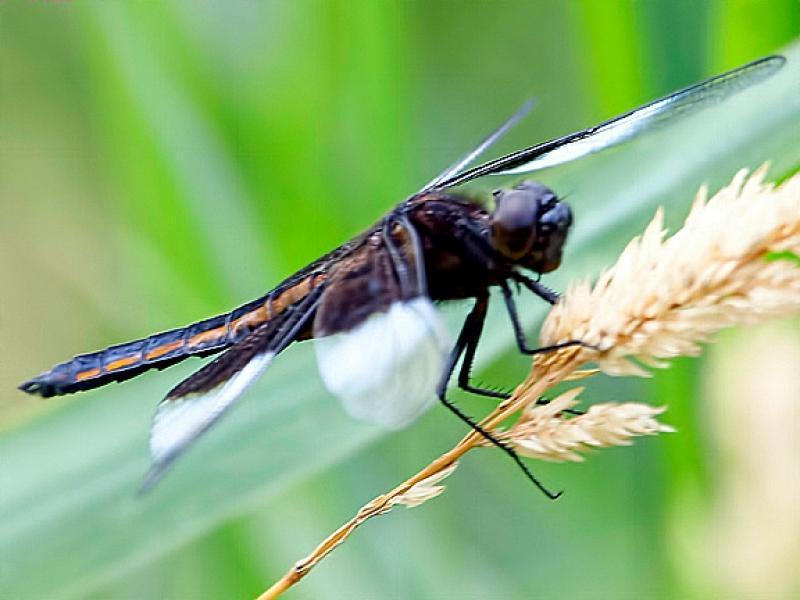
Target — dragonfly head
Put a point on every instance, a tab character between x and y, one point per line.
529	226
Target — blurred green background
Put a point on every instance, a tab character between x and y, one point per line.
163	162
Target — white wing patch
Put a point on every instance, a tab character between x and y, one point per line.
610	135
178	422
385	370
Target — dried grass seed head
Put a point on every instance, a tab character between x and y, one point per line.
664	296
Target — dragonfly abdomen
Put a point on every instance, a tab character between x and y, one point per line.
123	361
161	350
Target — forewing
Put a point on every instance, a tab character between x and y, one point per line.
626	126
465	160
379	349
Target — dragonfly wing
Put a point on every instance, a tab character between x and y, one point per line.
465	160
180	420
385	370
626	126
380	343
197	403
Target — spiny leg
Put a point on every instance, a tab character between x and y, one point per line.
472	324
508	450
466	369
469	338
542	401
544	292
476	246
468	344
519	333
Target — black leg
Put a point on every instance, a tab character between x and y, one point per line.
473	327
467	339
520	334
508	450
476	246
537	288
467	343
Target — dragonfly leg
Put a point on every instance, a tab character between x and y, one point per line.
467	340
519	333
544	292
467	344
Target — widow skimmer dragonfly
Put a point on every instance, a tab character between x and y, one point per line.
368	304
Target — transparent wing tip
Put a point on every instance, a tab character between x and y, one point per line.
154	474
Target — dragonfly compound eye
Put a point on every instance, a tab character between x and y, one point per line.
515	221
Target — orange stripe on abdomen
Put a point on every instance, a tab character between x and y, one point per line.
206	337
121	363
294	294
88	374
160	351
249	321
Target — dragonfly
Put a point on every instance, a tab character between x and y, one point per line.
380	344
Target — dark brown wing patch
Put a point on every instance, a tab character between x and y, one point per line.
362	284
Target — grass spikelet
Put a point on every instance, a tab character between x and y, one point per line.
542	431
425	490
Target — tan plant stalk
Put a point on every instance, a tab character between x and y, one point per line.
662	298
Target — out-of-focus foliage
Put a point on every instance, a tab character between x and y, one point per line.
161	162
